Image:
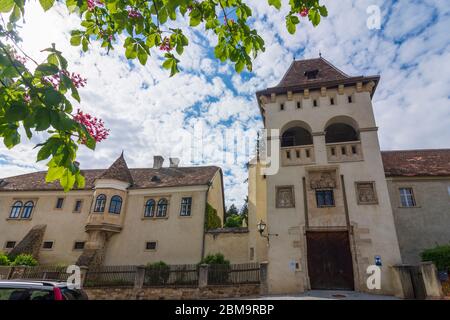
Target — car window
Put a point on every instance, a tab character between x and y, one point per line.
73	294
25	294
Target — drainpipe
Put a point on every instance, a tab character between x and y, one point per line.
204	221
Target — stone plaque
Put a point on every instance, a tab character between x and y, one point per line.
322	179
285	197
366	193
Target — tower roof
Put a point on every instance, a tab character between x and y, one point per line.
118	171
314	74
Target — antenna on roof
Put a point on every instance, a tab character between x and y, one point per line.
294	57
320	54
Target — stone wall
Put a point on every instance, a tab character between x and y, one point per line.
173	293
231	242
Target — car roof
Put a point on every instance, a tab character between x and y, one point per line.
31	283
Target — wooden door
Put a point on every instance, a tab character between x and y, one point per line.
330	264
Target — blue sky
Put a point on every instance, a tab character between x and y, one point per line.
149	113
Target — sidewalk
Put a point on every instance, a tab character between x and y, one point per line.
328	295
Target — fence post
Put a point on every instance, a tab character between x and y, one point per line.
18	272
83	273
264	286
10	273
203	275
139	277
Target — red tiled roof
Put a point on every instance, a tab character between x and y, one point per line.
416	163
118	170
143	178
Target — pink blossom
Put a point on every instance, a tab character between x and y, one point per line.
165	45
55	79
93	125
304	12
133	13
92	4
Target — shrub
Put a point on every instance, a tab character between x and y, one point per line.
439	255
212	220
25	260
217	258
157	273
4	260
233	221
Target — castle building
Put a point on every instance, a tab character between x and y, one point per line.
121	217
327	208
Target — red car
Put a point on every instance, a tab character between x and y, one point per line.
38	290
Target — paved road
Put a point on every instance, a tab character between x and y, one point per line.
328	295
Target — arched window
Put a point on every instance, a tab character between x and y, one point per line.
115	205
296	136
27	209
149	210
340	132
162	208
15	210
100	202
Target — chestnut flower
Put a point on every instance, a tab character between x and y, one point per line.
93	125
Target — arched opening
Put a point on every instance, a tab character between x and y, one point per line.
115	205
162	208
340	132
15	210
296	136
100	202
149	208
27	209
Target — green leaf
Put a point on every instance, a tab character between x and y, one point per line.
239	66
46	4
6	5
142	56
16	112
42	119
323	11
291	22
47	69
314	17
54	173
75	40
80	180
275	3
67	180
11	138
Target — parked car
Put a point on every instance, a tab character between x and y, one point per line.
38	290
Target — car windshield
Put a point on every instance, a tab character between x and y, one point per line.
25	294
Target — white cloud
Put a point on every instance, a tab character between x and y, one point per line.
150	113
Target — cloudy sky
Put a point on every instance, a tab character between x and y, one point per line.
149	113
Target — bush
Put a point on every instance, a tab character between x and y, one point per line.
439	255
25	260
217	258
157	273
4	260
233	221
212	220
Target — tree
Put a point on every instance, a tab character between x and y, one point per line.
39	100
232	210
244	211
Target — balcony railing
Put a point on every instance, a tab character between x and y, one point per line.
344	151
297	155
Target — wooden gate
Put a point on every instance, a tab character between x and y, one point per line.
330	264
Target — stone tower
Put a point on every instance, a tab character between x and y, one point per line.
327	207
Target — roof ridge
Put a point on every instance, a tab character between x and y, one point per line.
416	150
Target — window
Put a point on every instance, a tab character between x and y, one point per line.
151	245
333	151
10	244
288	154
354	149
407	197
149	210
186	205
311	74
324	198
27	210
332	101
15	210
78	245
100	202
297	153
307	153
314	103
162	208
252	253
349	99
47	245
59	203
281	106
115	205
77	207
299	105
343	151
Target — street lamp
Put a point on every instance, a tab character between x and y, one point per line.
262	227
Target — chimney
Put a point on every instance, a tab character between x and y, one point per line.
174	162
158	162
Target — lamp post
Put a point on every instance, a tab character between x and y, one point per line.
262	227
